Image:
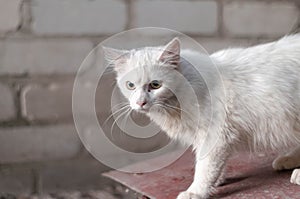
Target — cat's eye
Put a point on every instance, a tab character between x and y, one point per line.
130	85
155	84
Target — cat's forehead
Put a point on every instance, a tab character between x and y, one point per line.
144	74
143	65
144	56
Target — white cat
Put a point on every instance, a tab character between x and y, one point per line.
261	106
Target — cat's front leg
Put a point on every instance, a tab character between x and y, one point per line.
207	171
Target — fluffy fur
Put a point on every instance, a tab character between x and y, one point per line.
255	106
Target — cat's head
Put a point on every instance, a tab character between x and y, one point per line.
147	76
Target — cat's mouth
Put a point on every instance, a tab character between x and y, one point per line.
147	108
142	109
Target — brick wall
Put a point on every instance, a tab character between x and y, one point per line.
42	44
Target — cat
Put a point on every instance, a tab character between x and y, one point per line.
261	107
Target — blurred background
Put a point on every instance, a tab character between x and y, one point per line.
43	43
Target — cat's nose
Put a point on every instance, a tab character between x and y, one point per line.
141	103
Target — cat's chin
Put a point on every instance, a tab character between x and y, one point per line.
142	111
146	109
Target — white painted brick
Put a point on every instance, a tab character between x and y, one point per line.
20	144
53	102
78	16
259	18
7	105
50	56
9	15
185	16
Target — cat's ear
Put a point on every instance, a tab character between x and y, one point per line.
116	58
171	53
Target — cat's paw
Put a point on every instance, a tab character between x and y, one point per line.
188	195
285	162
295	178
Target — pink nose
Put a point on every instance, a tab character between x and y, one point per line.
141	103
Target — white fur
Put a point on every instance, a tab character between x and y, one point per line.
261	106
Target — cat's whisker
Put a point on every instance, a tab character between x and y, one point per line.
111	115
126	118
120	104
180	109
119	116
176	109
124	121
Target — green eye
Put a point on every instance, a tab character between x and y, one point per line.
155	84
130	85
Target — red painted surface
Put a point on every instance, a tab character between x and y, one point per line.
246	177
